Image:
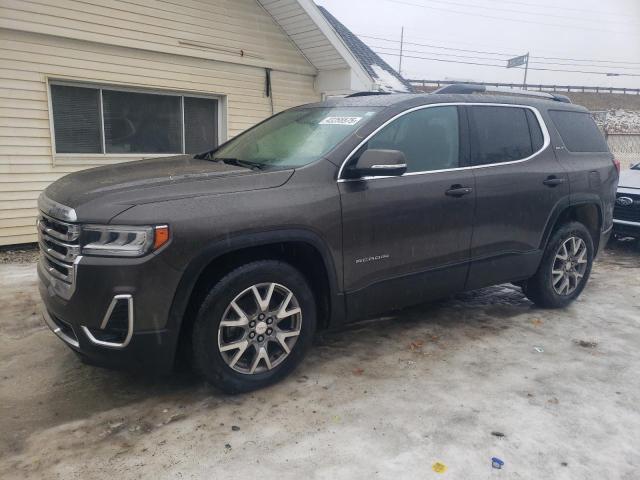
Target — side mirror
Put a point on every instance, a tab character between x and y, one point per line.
380	163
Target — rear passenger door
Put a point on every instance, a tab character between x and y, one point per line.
519	182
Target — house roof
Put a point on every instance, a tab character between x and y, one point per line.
344	64
385	77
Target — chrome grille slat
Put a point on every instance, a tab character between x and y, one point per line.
58	242
57	229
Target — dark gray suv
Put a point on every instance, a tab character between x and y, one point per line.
321	215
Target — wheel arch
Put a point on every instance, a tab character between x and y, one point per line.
303	249
586	210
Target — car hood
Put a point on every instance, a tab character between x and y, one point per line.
629	179
99	194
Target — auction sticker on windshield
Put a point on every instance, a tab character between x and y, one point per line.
340	120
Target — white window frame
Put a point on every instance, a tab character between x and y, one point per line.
221	133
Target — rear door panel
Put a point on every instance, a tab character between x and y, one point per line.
513	207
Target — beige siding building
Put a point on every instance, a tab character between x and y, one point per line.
140	78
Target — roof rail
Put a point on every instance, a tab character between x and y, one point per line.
471	88
366	94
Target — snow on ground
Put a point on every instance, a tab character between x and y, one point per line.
619	121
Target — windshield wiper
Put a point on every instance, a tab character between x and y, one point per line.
241	163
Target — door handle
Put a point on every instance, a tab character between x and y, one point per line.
458	191
553	181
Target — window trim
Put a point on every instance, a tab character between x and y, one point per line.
536	112
220	117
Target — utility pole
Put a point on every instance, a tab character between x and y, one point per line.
401	48
526	70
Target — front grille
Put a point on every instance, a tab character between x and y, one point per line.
630	213
59	244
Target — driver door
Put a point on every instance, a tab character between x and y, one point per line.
406	239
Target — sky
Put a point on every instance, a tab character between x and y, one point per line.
580	35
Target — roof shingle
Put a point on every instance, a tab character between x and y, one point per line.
387	79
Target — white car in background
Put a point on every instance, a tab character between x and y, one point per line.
626	213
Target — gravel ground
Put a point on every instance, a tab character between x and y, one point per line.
437	388
23	254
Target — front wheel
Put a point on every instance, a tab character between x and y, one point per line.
254	327
565	267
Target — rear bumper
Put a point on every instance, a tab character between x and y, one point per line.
604	239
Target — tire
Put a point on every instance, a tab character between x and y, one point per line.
216	344
547	289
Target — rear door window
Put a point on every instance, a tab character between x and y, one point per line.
500	134
578	131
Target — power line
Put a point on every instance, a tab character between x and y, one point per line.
623	62
497	59
475	14
545	14
555	7
502	66
440	47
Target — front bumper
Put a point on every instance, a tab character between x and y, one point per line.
117	316
626	228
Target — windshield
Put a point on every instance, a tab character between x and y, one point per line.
295	137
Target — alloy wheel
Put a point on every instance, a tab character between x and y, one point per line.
259	328
569	266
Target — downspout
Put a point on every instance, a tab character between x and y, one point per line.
268	88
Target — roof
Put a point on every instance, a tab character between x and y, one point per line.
385	77
337	69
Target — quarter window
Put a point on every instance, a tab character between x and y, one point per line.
429	139
501	134
95	120
578	131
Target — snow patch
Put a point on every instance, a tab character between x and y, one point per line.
387	81
619	121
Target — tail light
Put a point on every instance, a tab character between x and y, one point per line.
616	162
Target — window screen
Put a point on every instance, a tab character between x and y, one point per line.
134	122
141	123
428	138
200	118
76	119
578	131
500	134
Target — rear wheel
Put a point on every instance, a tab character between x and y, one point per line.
254	327
565	267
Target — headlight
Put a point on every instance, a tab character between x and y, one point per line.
122	241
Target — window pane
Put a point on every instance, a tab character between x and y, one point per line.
578	131
142	123
427	137
200	124
76	119
537	140
501	134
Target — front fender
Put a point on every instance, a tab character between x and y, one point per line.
215	250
